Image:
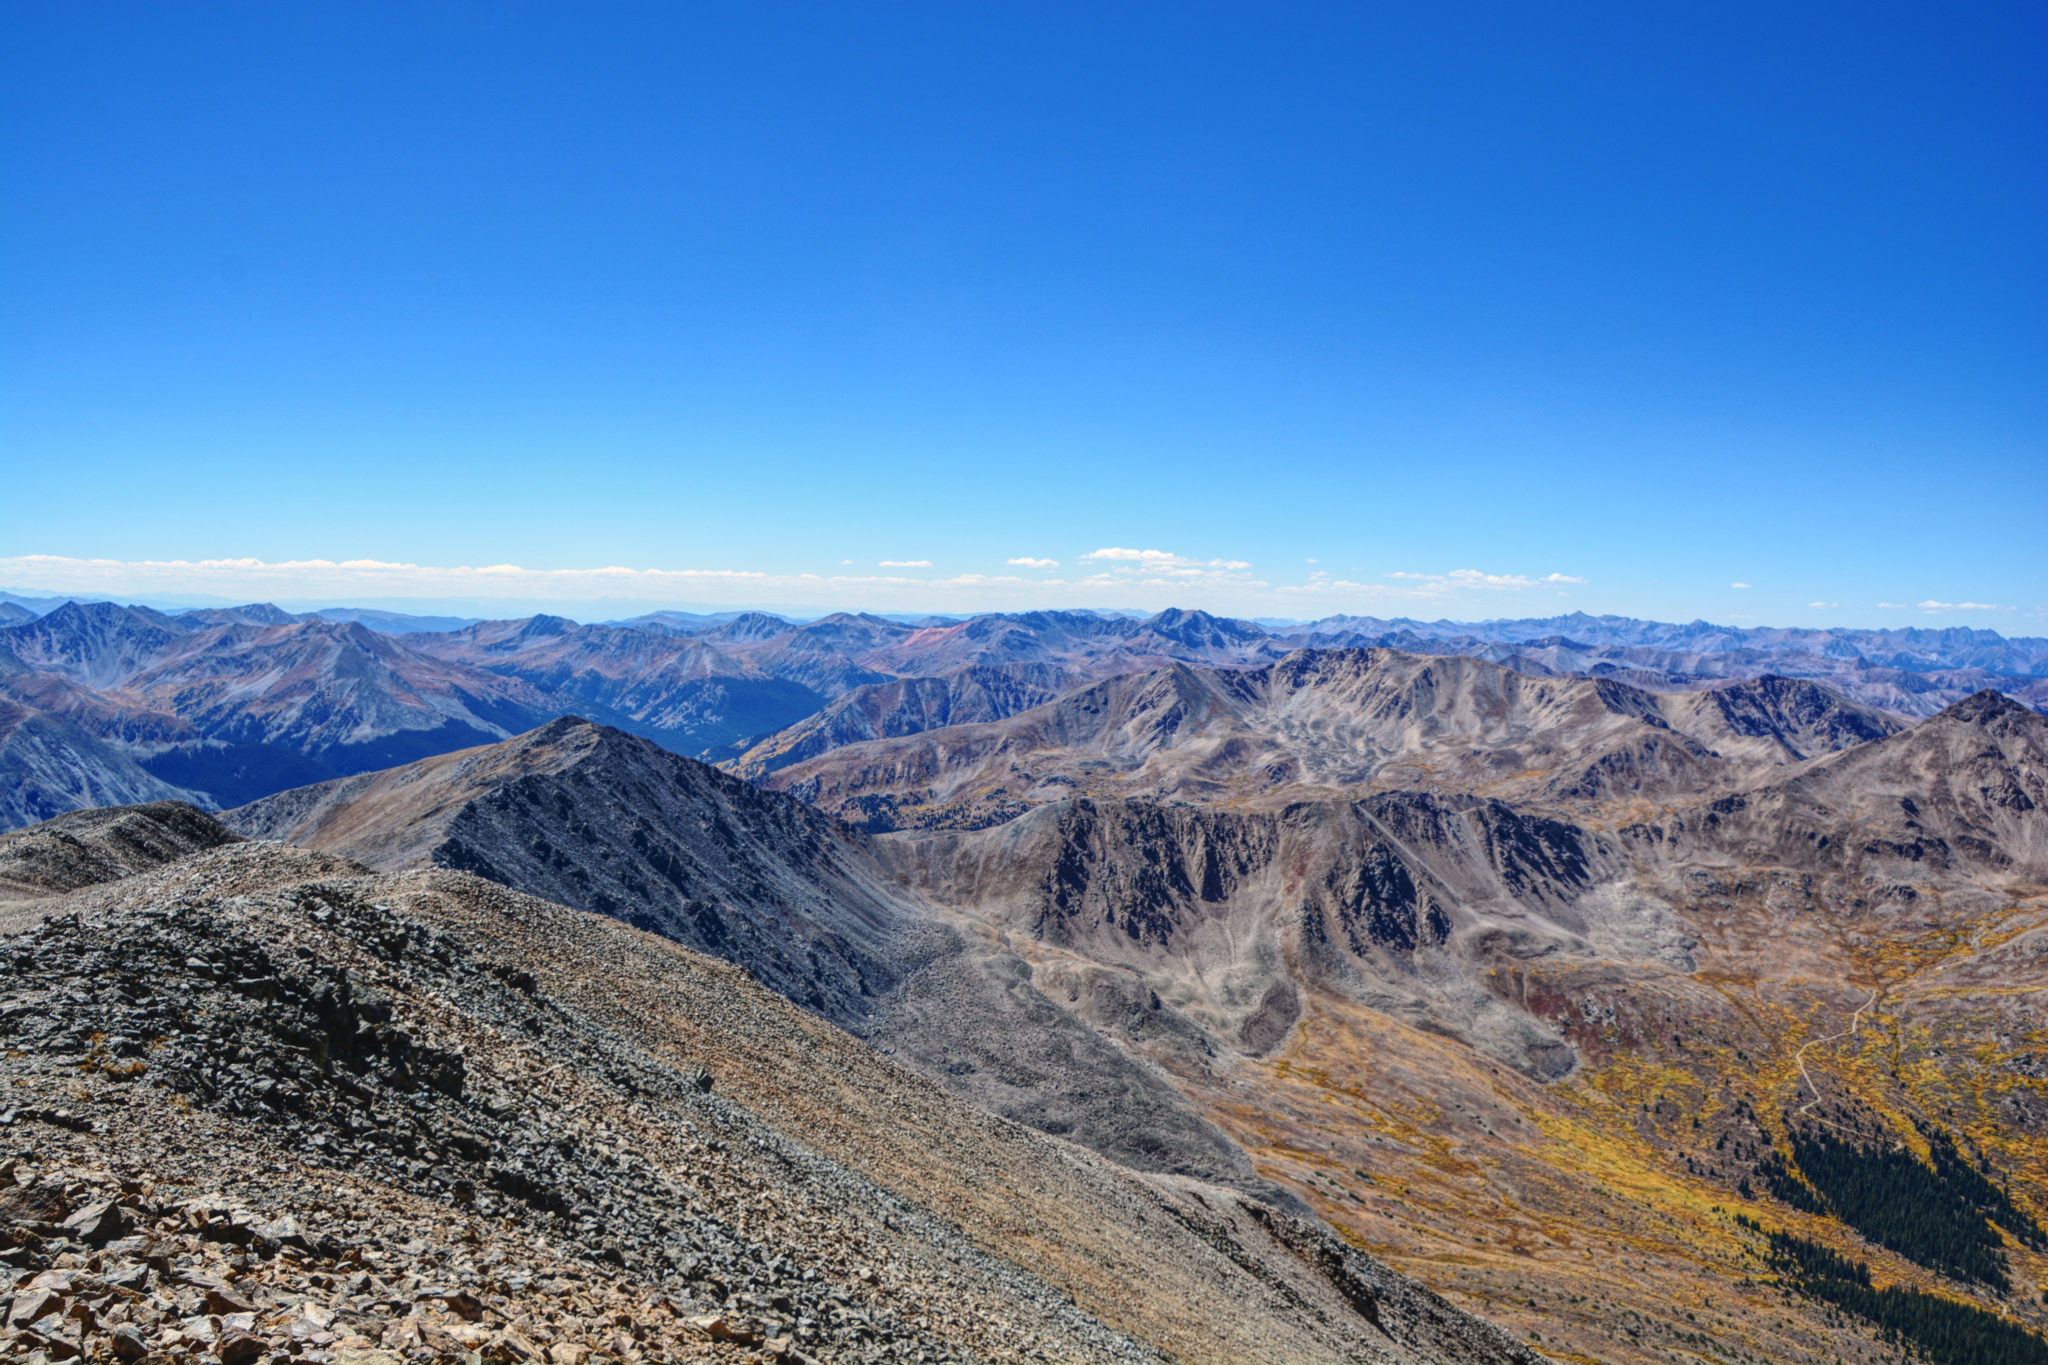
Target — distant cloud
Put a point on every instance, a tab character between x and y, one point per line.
1456	579
1824	604
1163	562
1315	561
1738	585
1424	586
905	564
1028	562
1140	556
1933	606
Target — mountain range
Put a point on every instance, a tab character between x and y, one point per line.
1640	1021
222	705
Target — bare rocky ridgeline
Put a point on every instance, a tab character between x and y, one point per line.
261	1105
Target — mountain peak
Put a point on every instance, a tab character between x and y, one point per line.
1982	708
561	728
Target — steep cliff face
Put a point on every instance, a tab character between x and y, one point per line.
1222	918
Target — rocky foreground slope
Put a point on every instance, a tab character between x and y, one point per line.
264	1105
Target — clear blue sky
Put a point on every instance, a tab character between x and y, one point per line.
1661	297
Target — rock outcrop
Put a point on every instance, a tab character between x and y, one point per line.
86	847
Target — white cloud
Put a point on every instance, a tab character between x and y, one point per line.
1827	604
1140	556
1498	582
1424	586
1738	585
1028	562
1432	584
1315	561
1958	606
905	564
1164	563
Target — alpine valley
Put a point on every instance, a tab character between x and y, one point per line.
1050	986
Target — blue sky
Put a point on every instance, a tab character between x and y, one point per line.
1458	310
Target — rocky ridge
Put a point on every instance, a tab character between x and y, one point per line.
87	847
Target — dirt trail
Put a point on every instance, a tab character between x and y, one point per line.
1799	1057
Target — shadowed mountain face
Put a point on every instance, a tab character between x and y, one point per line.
1321	723
600	820
49	766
